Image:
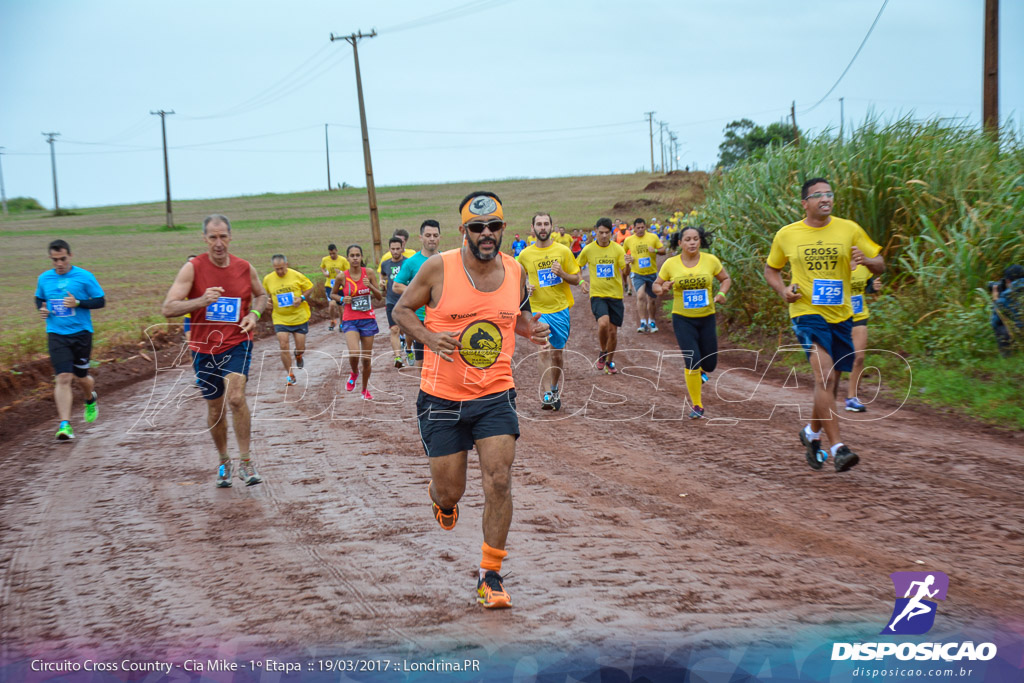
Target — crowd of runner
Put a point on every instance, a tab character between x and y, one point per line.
454	315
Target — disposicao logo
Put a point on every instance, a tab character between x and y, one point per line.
914	614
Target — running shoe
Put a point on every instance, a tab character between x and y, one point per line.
289	379
653	327
298	361
398	362
351	383
92	410
548	402
845	459
855	406
816	455
65	432
642	328
610	368
330	328
696	412
491	592
703	377
367	396
401	339
412	358
448	519
247	473
224	475
600	362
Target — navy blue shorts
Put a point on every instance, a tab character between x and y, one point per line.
448	427
366	327
834	338
293	329
212	368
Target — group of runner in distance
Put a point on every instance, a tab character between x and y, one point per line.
464	307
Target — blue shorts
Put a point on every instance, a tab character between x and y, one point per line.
645	281
366	327
212	368
834	338
560	324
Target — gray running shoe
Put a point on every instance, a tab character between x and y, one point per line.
224	475
247	473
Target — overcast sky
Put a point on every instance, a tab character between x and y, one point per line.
454	90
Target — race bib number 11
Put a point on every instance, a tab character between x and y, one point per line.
285	299
224	310
827	293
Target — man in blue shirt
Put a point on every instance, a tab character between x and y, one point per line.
518	244
65	298
430	237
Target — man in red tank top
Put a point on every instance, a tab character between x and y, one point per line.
475	298
225	297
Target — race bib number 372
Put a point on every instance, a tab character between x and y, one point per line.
224	310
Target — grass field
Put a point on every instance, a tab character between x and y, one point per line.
135	257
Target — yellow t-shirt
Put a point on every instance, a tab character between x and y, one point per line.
645	253
286	296
406	253
820	263
606	266
565	239
334	267
551	294
858	283
530	240
692	293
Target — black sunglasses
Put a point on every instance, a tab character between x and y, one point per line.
477	227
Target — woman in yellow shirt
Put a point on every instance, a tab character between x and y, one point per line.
691	275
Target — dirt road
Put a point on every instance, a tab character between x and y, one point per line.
632	524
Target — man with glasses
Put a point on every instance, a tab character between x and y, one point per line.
822	251
477	304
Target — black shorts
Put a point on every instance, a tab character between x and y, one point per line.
70	352
448	427
606	306
417	349
388	309
698	340
292	329
859	323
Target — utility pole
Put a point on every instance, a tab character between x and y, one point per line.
53	164
650	126
842	117
167	174
661	138
796	131
3	195
327	146
990	105
352	40
673	147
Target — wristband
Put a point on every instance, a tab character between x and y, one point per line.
258	316
303	297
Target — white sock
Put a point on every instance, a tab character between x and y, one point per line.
813	436
836	447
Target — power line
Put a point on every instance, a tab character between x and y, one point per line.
446	15
494	132
866	36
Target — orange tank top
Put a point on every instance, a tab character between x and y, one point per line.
484	323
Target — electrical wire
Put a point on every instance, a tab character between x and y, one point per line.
445	15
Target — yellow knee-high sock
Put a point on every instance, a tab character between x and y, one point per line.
693	386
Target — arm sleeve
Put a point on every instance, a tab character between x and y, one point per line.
94	303
39	302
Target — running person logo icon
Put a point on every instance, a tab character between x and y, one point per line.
914	613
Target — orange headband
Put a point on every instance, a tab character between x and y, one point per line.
482	206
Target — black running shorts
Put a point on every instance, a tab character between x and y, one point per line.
70	352
448	427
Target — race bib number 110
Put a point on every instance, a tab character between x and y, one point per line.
224	310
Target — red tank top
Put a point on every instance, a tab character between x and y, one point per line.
361	307
485	323
215	328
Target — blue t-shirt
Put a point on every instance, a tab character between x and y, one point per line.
410	267
518	246
52	287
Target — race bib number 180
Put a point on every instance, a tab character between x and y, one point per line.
547	279
858	304
643	262
605	270
224	310
827	293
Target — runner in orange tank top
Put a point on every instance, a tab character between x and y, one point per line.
476	303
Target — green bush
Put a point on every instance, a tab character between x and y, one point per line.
23	204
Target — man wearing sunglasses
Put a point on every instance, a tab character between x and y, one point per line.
822	250
476	303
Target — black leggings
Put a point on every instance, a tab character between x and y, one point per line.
698	340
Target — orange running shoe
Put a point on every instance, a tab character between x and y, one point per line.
491	592
447	520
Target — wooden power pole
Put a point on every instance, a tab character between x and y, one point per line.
50	137
990	104
650	126
352	40
167	173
